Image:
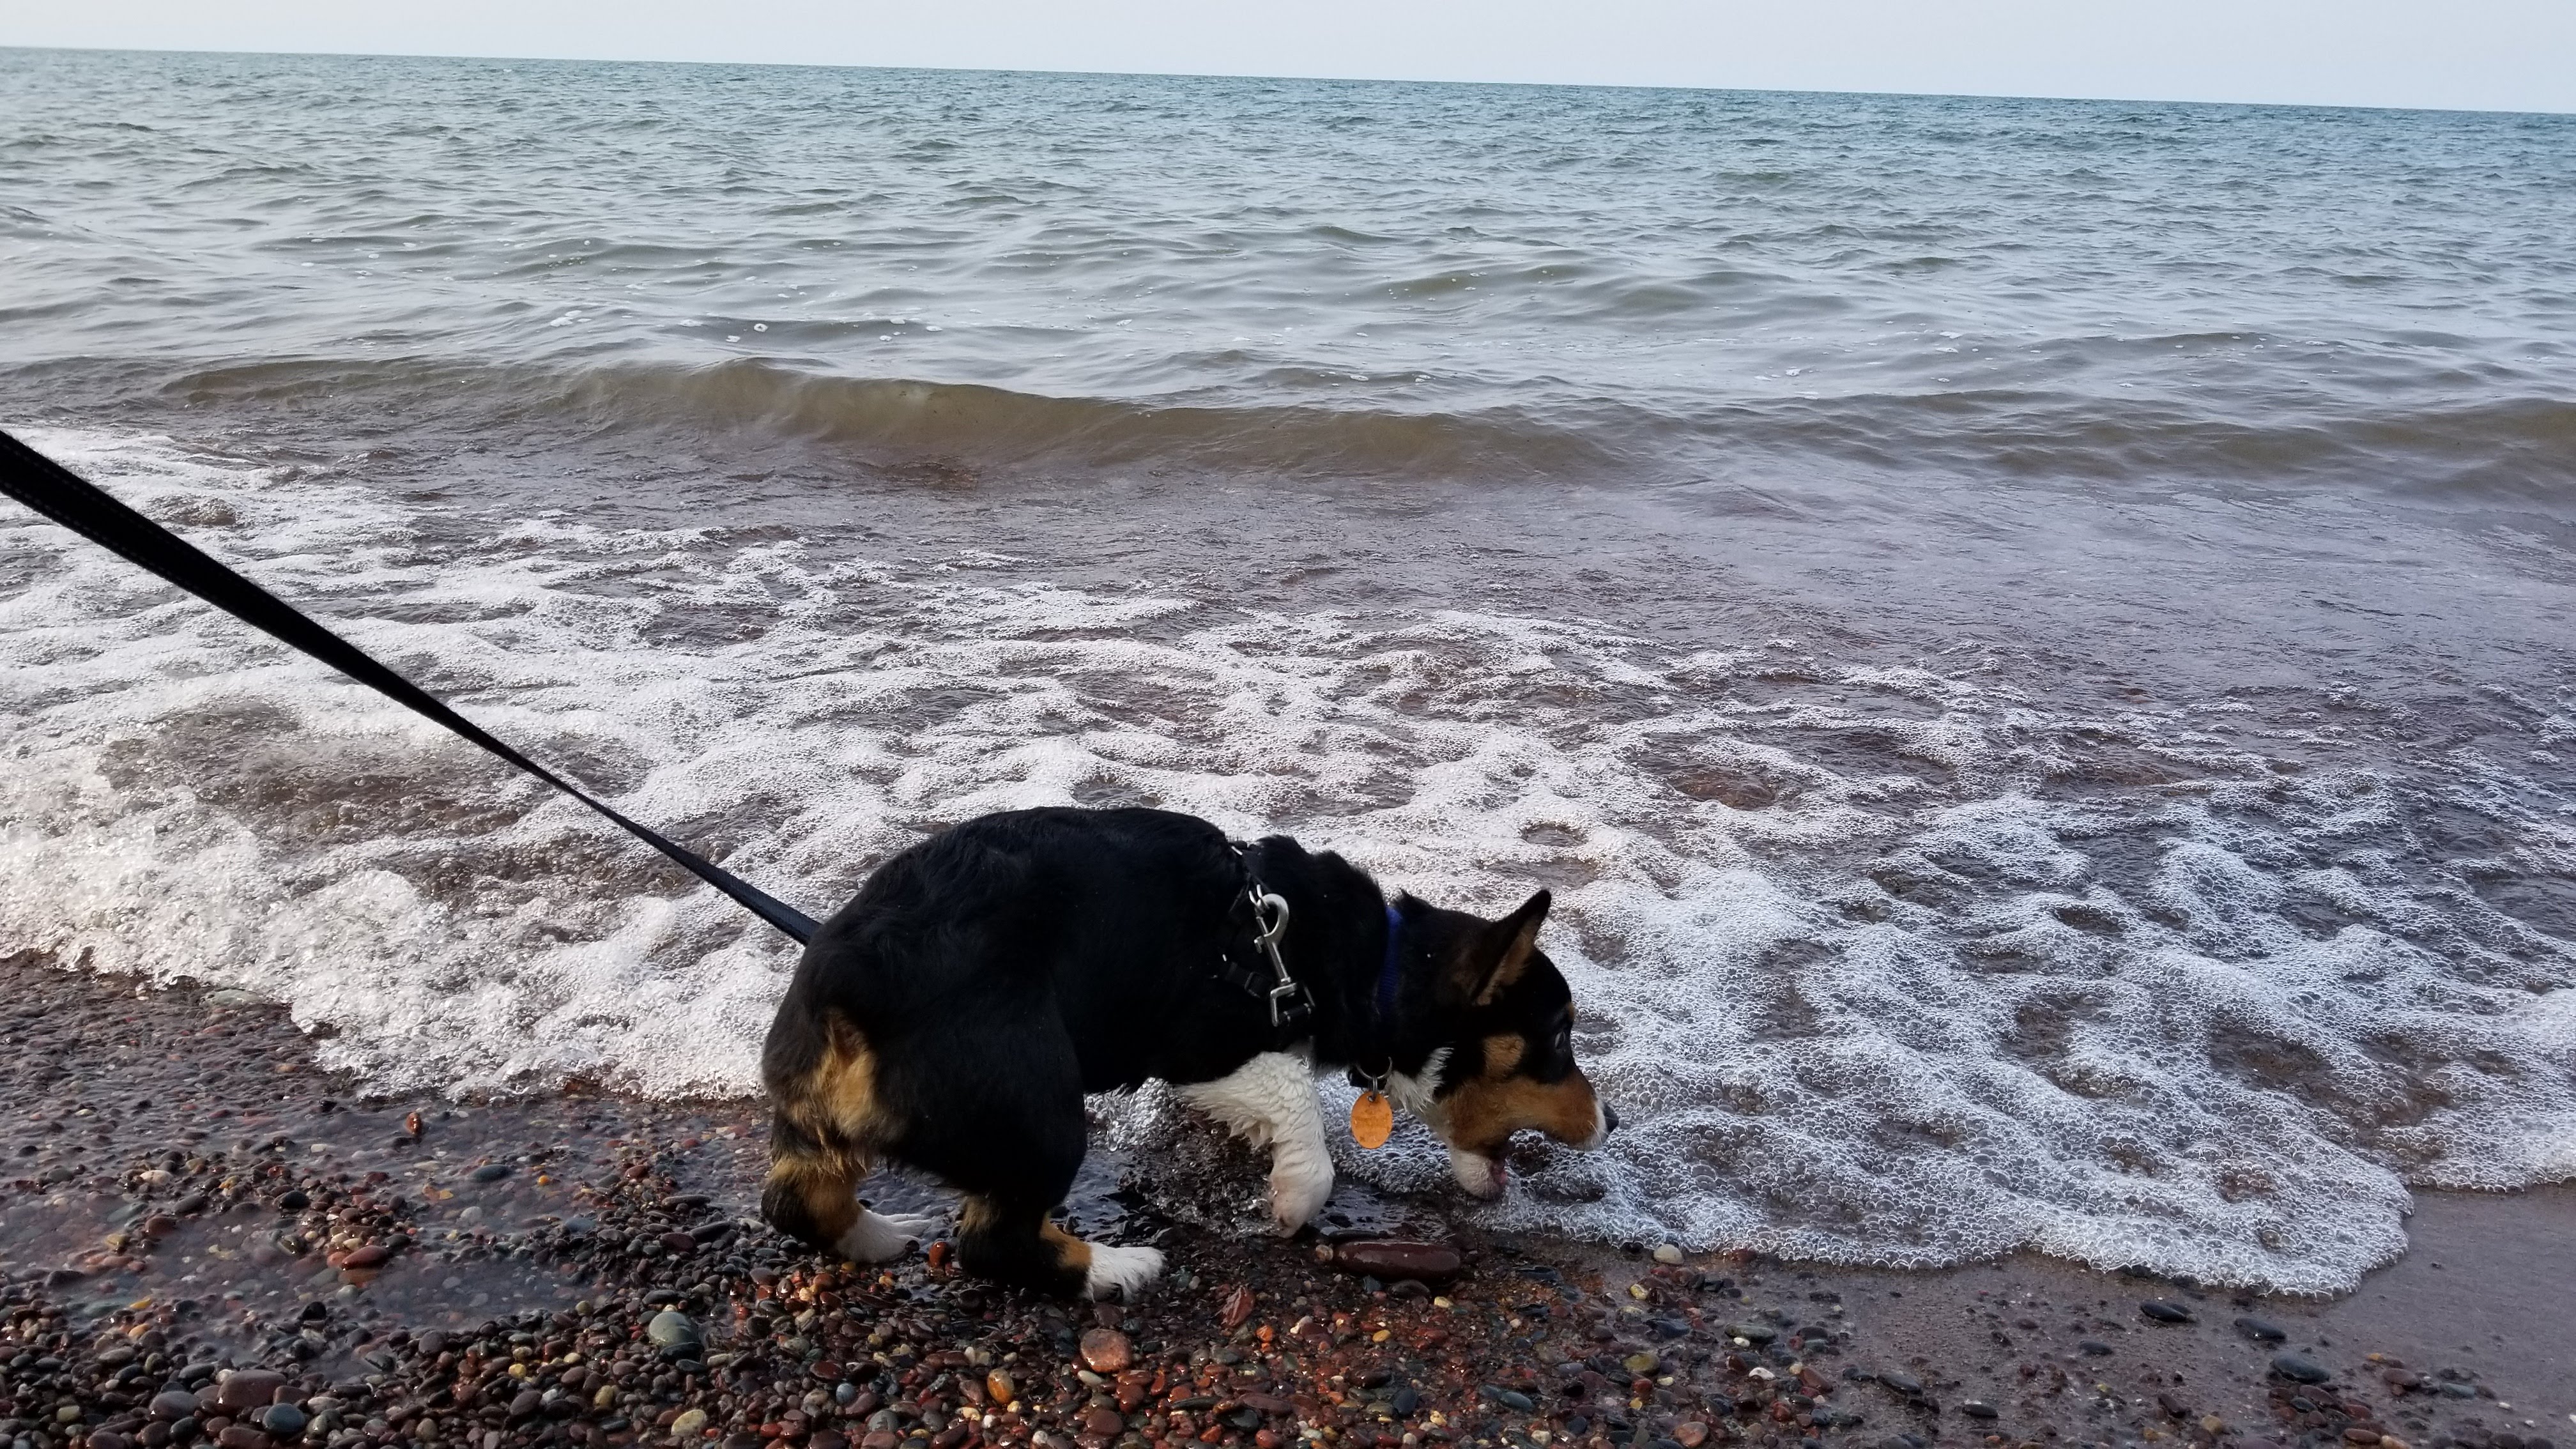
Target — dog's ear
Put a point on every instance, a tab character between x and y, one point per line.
1496	956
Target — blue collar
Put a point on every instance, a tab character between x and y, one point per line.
1386	971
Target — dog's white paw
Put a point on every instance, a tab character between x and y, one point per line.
1121	1270
1298	1189
879	1238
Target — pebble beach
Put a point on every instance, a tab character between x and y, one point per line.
210	1241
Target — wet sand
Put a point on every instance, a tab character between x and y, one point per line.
206	1238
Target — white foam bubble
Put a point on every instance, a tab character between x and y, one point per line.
1863	983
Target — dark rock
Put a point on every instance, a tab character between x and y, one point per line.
2165	1311
2259	1330
1511	1399
1106	1423
249	1389
190	1205
2093	1347
2299	1370
1390	1259
1752	1332
295	1202
242	1436
1978	1410
527	1403
1901	1381
1407	1399
490	1172
283	1420
172	1404
370	1255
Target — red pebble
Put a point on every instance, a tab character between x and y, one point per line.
1105	1350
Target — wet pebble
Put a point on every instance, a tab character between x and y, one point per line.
283	1420
2092	1347
1901	1381
2260	1330
2165	1311
673	1333
248	1389
1106	1350
1977	1409
2299	1370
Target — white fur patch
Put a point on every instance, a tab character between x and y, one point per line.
878	1238
1419	1093
1476	1173
1121	1270
1271	1100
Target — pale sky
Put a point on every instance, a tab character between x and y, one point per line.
2470	54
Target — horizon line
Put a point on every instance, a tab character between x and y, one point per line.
1304	79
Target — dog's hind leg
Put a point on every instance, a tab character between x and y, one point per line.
1271	1100
819	1147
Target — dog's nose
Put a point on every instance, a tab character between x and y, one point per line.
1609	1118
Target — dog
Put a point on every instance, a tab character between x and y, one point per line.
953	1015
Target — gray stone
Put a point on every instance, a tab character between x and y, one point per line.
2260	1331
285	1421
2165	1311
2299	1370
673	1333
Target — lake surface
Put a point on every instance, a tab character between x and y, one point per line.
2030	639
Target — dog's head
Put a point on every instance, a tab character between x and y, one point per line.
1506	1064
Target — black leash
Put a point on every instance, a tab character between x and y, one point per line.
63	496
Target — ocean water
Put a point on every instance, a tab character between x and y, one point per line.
2030	639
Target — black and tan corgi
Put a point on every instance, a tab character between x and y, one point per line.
954	1013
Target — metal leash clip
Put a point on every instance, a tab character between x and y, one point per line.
1270	915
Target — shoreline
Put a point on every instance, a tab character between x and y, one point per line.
185	1192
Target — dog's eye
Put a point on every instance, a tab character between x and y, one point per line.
1565	1041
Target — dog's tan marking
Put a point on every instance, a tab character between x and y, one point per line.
1503	1055
1485	1112
837	1123
1072	1252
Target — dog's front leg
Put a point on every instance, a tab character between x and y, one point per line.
1271	1099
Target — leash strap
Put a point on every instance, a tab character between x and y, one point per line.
72	501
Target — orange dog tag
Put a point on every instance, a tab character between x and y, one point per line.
1372	1120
